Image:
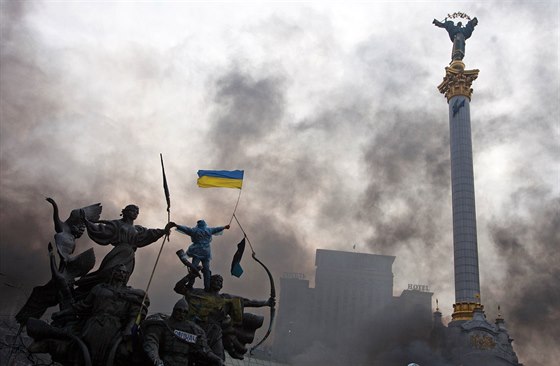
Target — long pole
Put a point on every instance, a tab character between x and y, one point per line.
166	237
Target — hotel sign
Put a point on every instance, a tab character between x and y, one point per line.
423	288
293	276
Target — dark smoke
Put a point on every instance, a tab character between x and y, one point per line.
55	145
392	338
248	112
63	135
408	165
20	227
528	237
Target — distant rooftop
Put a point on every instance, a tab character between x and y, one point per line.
325	257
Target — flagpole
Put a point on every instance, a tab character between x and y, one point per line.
235	209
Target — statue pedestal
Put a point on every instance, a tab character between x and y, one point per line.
473	342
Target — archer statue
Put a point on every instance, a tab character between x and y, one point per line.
458	34
222	317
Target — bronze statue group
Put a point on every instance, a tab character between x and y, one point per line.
102	321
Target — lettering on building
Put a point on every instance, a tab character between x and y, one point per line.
293	276
422	288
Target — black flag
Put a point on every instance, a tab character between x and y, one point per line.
236	269
165	187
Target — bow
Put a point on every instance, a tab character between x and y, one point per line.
272	289
272	308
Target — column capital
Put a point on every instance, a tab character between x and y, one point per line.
465	310
457	81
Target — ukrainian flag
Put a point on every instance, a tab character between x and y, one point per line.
220	178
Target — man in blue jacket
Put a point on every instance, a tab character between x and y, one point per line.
199	250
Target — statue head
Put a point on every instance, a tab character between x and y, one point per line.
180	310
216	282
459	24
130	211
201	223
119	274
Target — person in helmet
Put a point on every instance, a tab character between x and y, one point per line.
174	340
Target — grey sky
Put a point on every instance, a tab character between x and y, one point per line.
331	109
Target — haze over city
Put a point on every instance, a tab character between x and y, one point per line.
331	109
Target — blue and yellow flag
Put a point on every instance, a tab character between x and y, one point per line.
220	178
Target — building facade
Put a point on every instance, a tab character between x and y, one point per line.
351	291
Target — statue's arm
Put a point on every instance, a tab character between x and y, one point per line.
147	236
437	23
204	350
80	308
102	232
151	344
213	359
136	307
470	27
185	284
84	306
258	303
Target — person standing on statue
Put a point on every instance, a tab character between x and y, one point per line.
199	250
458	34
125	237
175	340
